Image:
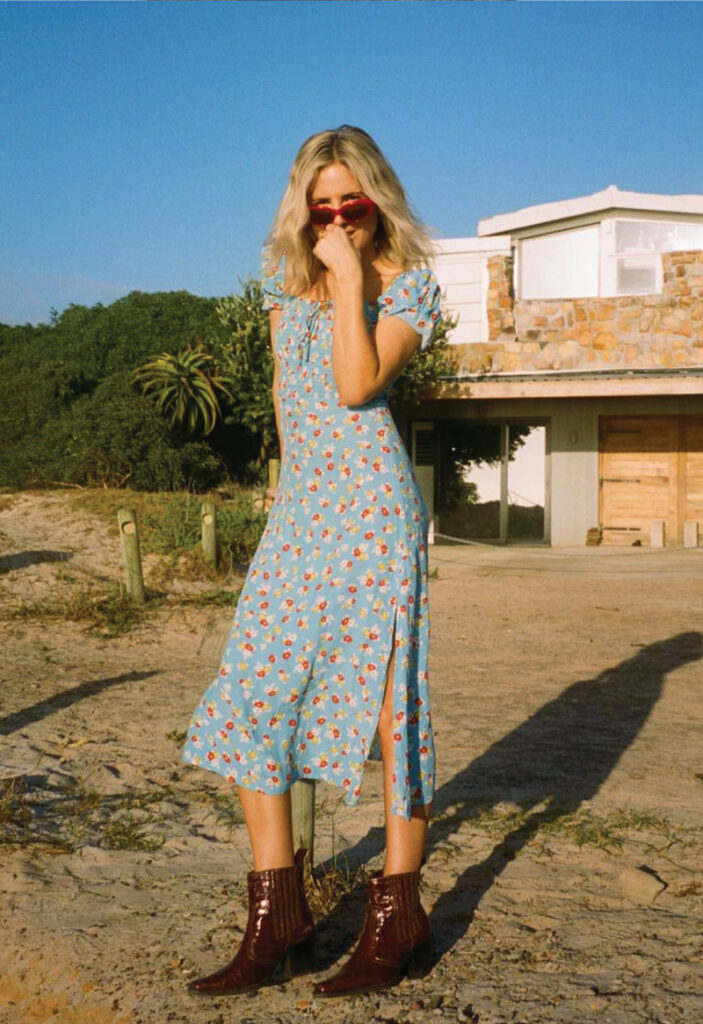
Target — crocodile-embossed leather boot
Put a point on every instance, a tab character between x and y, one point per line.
279	930
396	939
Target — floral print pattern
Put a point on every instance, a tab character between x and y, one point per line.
338	581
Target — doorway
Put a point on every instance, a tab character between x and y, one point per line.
492	482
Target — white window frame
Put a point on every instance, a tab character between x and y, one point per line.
610	257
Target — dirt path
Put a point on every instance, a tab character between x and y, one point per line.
564	874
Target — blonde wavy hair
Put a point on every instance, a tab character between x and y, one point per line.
400	236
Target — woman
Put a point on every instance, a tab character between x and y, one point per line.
330	638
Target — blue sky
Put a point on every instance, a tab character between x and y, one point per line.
146	145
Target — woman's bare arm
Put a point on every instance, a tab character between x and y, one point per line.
363	362
274	318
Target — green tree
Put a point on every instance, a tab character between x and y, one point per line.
242	349
112	437
427	367
68	412
186	387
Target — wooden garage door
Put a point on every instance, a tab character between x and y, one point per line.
692	459
651	468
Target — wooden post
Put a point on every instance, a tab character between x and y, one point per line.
302	792
208	533
503	523
657	533
127	518
690	533
274	471
303	808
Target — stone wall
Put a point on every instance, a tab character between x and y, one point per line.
629	331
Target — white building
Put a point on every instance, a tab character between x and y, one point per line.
577	402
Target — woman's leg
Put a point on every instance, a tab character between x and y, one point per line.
396	935
405	840
268	820
280	928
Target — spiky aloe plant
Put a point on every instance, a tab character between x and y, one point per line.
186	389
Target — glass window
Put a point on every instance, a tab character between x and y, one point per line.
526	482
491	482
470	475
638	248
656	236
636	277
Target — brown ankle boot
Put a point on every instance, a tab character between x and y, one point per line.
280	929
396	939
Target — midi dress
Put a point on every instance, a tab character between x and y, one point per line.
338	581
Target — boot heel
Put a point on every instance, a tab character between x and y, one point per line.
422	960
299	959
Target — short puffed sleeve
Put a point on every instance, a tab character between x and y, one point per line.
414	297
272	285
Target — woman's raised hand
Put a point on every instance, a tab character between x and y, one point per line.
336	250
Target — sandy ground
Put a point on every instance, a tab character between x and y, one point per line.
564	873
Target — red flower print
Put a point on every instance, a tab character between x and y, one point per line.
347	523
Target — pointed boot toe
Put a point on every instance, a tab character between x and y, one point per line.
396	939
280	931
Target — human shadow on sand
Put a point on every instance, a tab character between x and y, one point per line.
548	766
23	559
43	708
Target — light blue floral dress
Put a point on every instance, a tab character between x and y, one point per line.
340	574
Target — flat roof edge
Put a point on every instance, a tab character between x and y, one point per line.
571	384
607	199
465	246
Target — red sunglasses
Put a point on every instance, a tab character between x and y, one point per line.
352	211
